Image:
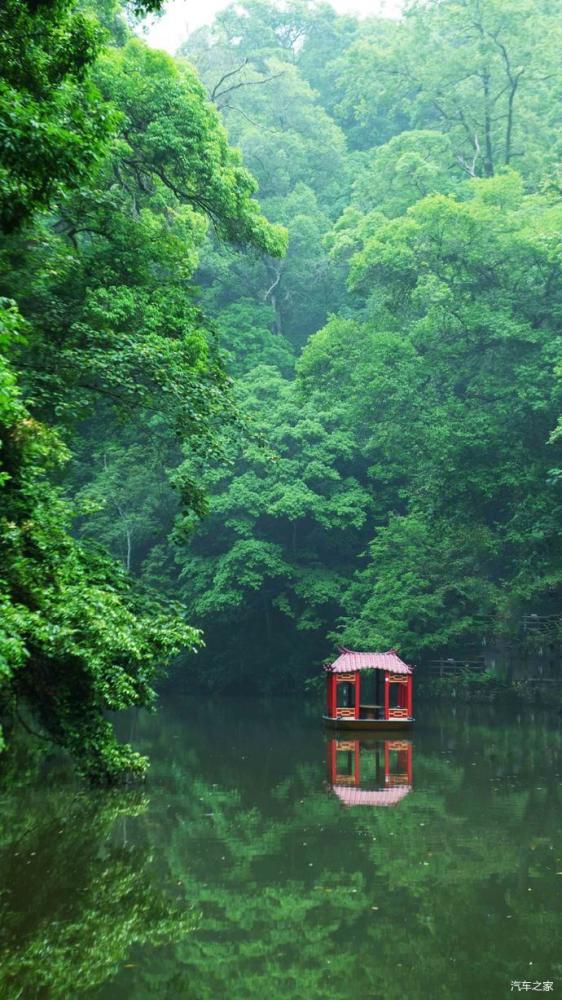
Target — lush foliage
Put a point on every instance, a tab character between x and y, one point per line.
357	439
106	338
74	639
410	496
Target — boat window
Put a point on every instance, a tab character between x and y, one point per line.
398	770
346	695
345	763
396	695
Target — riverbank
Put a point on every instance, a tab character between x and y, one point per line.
486	687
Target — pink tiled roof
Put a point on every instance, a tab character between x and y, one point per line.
363	797
349	661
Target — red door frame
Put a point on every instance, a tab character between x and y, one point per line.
386	695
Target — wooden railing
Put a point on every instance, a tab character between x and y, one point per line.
452	666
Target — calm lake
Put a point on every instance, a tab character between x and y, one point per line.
264	860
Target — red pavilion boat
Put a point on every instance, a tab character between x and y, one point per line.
369	691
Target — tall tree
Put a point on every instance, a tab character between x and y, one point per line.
107	332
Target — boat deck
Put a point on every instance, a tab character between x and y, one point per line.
368	724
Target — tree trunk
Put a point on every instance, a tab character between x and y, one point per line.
509	128
489	151
129	548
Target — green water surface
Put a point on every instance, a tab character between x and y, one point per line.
237	872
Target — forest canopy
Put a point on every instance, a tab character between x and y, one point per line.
281	348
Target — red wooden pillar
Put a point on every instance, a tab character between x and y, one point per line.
332	761
357	693
386	696
409	759
386	762
328	694
410	696
357	751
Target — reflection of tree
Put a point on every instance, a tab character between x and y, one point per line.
75	895
304	897
297	895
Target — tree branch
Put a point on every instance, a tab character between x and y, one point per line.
226	76
247	83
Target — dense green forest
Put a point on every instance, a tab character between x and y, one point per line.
281	355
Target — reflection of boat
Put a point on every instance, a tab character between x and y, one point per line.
370	772
369	691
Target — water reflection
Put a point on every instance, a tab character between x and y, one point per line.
76	895
235	875
370	772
